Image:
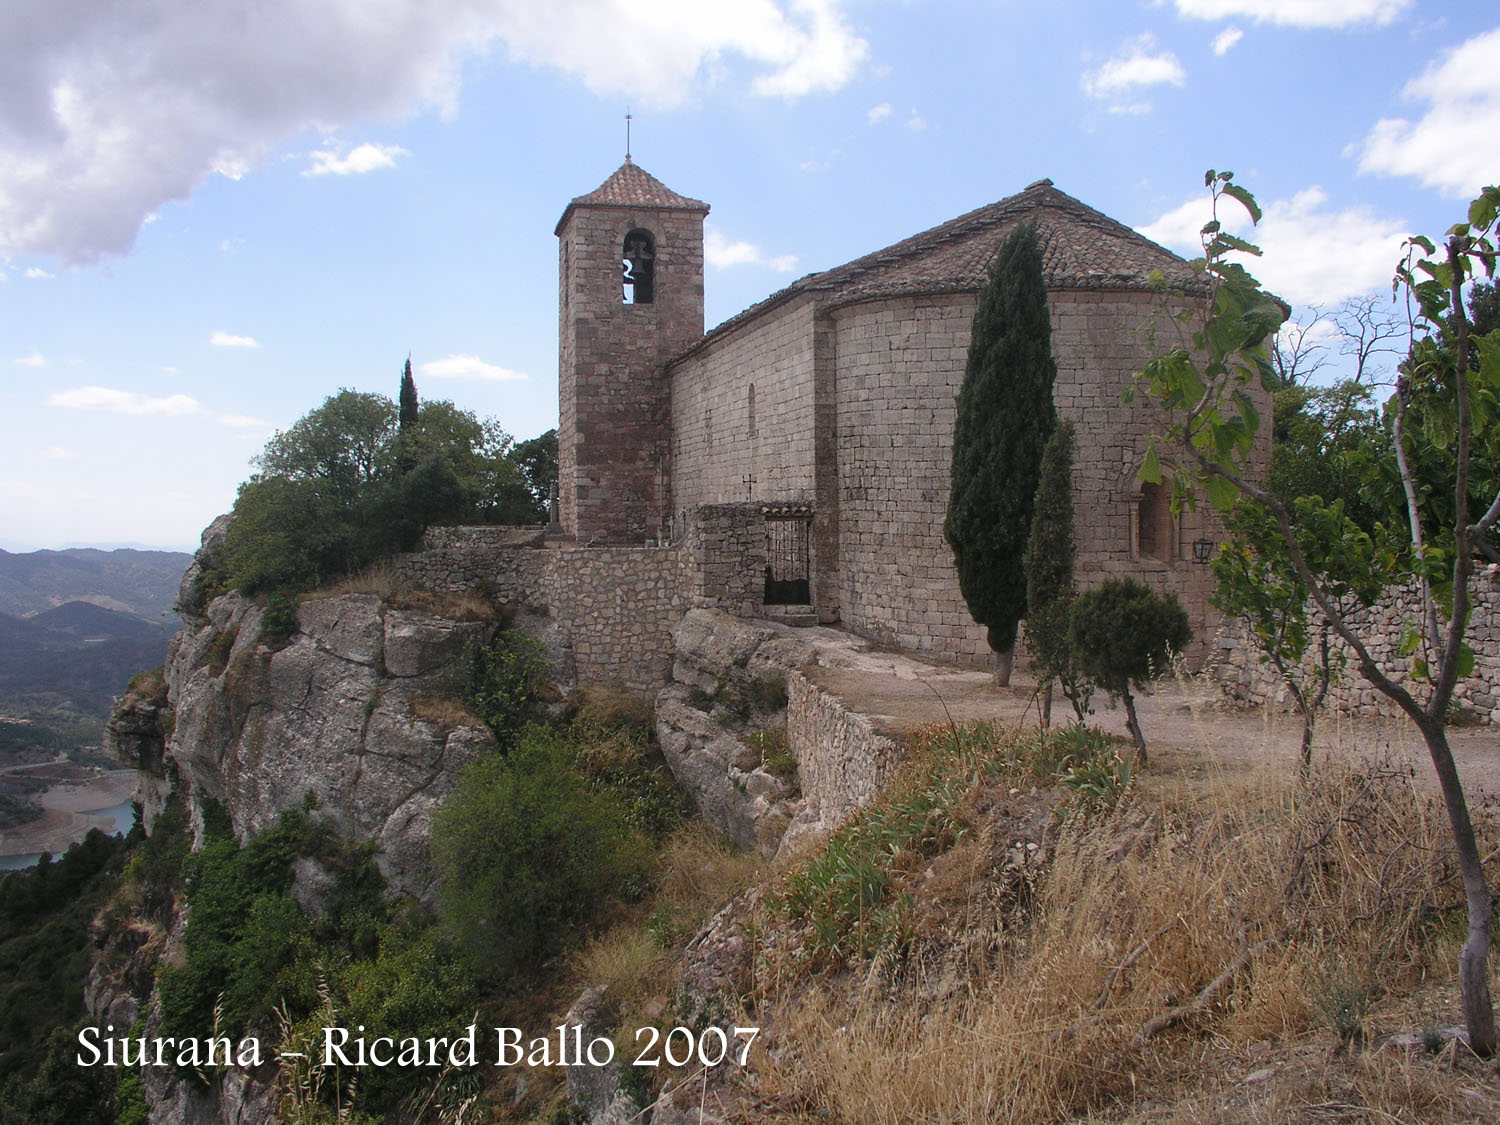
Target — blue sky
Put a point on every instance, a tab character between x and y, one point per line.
212	216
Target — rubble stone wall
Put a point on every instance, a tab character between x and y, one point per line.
1245	678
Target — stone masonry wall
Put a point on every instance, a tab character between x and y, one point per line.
725	558
841	760
900	363
1246	679
614	605
617	606
743	406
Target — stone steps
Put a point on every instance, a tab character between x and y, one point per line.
797	616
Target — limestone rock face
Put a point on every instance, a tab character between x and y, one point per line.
722	774
328	713
704	718
135	733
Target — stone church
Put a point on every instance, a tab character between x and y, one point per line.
796	458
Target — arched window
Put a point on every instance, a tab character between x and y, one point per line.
1154	527
638	267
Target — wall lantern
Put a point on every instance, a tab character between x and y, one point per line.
1202	549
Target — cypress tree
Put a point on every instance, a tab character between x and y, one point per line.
1004	418
1050	551
408	415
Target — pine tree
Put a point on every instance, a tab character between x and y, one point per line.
1005	416
408	415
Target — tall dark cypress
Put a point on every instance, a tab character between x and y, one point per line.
408	415
1005	416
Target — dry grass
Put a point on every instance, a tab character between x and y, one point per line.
446	713
699	872
455	605
380	581
1252	911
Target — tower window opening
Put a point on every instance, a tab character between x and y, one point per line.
638	267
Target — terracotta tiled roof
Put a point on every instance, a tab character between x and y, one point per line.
1081	249
632	186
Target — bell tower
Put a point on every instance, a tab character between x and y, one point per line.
630	297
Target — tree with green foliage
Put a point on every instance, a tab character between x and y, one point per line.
347	484
1004	418
1050	554
1123	634
1256	582
1445	415
527	499
46	952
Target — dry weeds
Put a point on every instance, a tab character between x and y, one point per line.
1167	942
446	713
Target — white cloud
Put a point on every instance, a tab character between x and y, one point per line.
876	114
1313	255
1136	66
915	122
1298	13
59	453
1227	39
113	401
722	254
35	359
106	117
468	367
1455	147
36	273
125	402
226	340
367	157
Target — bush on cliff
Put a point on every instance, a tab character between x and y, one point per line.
530	854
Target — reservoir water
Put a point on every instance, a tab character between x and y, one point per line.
122	816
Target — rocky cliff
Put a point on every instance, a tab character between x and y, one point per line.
332	713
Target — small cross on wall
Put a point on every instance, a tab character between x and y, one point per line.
748	480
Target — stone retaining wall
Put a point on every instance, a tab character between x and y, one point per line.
615	606
841	759
1245	678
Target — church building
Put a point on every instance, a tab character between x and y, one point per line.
798	455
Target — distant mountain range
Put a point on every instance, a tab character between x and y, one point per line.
75	625
76	657
143	583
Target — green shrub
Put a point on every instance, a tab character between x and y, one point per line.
218	651
767	692
528	854
1122	635
505	681
278	621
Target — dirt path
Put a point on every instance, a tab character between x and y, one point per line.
1186	722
